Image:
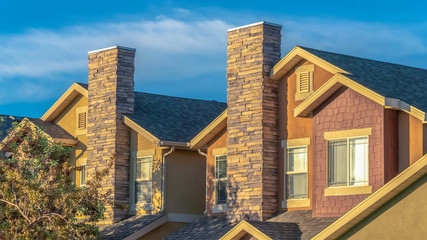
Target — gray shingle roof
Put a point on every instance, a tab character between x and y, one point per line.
308	225
387	79
206	228
128	226
173	118
278	230
51	129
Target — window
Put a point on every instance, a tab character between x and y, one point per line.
81	115
304	81
143	180
296	173
82	175
348	162
220	179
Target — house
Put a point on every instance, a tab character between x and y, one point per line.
146	134
307	139
312	145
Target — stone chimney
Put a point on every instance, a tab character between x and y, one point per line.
111	94
252	121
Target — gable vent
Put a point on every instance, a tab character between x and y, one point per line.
82	121
304	82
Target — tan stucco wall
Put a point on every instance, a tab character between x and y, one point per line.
140	143
403	217
67	120
291	127
220	141
163	231
185	182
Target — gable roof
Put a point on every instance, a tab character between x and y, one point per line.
375	200
263	230
170	118
388	79
52	130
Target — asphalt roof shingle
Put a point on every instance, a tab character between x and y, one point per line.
387	79
6	122
278	230
173	118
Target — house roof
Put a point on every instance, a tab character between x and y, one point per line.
173	118
387	79
264	230
380	197
127	227
6	122
203	228
308	225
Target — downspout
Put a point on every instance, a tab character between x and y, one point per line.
172	149
206	180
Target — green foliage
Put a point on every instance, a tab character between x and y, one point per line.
38	198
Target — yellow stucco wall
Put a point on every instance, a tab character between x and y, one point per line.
67	119
403	217
185	182
140	143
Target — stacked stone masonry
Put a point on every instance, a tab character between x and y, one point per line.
111	94
252	122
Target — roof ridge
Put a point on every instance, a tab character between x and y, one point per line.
180	97
347	55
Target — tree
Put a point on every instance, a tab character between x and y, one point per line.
38	197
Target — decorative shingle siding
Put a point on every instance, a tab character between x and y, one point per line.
346	110
111	94
252	122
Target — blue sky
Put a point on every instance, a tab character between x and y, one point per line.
181	45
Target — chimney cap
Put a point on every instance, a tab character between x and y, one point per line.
113	47
254	24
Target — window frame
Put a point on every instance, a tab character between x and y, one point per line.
82	166
216	180
348	189
140	180
287	172
295	202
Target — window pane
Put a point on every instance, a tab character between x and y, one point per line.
221	191
358	161
297	186
82	175
143	191
143	168
221	167
338	163
297	159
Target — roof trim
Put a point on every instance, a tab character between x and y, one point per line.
147	229
141	130
294	57
255	24
243	228
215	127
339	80
375	200
63	102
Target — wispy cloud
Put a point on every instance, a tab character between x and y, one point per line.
176	48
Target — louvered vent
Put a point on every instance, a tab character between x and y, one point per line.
82	121
304	82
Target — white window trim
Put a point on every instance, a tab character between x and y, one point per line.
80	175
218	207
293	143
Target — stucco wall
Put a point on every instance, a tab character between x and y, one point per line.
220	141
291	127
403	217
67	119
346	110
185	182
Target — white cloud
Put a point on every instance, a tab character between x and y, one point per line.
169	49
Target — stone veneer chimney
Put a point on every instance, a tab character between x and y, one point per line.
252	121
111	94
